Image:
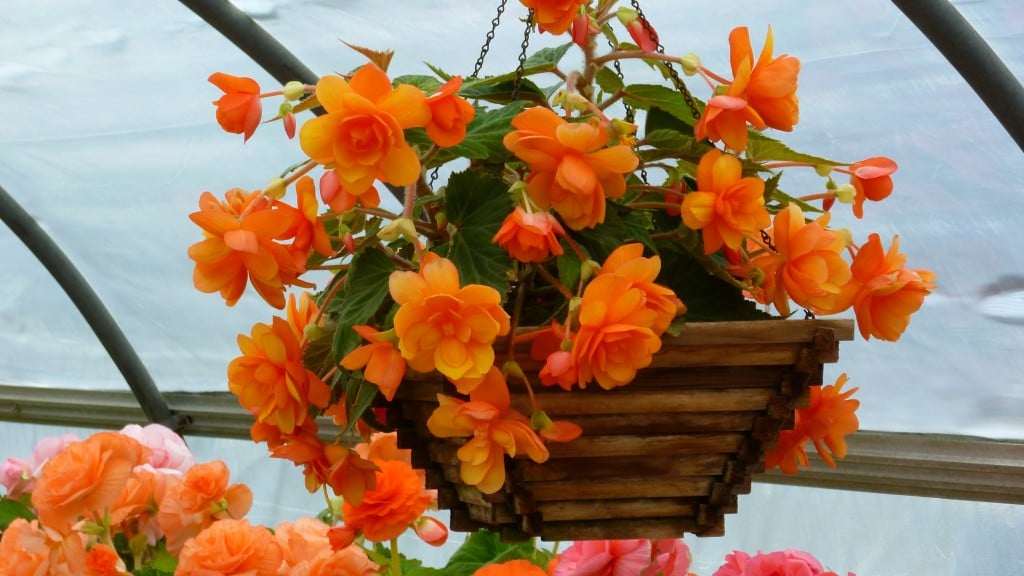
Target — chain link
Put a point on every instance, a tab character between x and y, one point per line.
522	55
680	85
487	41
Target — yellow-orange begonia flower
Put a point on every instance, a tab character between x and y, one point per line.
614	338
883	293
361	134
530	237
239	110
449	114
554	16
270	379
242	245
726	206
762	93
629	261
381	362
444	326
496	429
572	170
807	265
830	417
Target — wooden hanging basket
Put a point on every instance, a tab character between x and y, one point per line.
664	455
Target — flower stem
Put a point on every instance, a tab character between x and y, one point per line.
396	565
554	282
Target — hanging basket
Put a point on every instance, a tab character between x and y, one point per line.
664	455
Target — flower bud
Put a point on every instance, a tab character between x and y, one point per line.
576	102
276	189
588	269
823	170
294	90
540	420
845	193
400	228
690	63
511	370
431	530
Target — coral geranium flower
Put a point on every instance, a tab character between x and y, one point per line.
554	16
885	293
614	338
239	110
530	236
496	429
830	417
240	249
629	261
231	547
270	379
381	362
361	134
449	114
511	568
571	169
872	179
725	205
443	326
199	498
762	93
391	506
806	266
85	478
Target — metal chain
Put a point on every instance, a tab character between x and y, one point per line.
522	55
487	41
680	85
433	176
630	113
767	239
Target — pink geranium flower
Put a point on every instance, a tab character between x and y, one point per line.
170	453
605	558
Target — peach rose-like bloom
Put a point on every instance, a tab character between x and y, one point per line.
85	478
885	294
511	568
349	561
391	506
872	180
270	379
725	205
102	560
361	133
302	540
444	326
239	110
496	429
530	236
200	498
449	114
381	362
242	249
25	549
628	261
554	16
614	338
572	168
230	547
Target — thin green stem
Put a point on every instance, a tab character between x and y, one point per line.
396	565
554	282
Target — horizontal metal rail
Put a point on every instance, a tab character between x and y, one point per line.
930	465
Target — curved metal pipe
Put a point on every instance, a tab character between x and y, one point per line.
95	313
973	58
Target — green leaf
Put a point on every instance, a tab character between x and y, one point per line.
366	287
621	226
484	547
440	73
608	80
428	84
646	96
763	148
503	92
11	510
359	396
665	138
569	269
476	204
708	298
487	132
544	60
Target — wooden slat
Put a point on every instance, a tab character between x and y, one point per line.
623	445
626	401
660	423
660	465
619	529
608	489
559	511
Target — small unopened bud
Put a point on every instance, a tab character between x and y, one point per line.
294	90
431	530
690	63
276	189
284	108
512	370
289	125
540	420
823	170
312	332
588	269
626	15
621	129
845	193
846	234
576	102
400	228
574	305
756	276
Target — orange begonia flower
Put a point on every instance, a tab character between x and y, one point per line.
350	475
872	179
496	430
511	568
443	326
270	379
240	109
361	134
830	417
530	237
725	205
348	561
391	506
806	266
200	497
449	114
762	93
310	232
381	362
615	338
26	550
341	199
628	261
571	169
102	560
241	249
85	478
554	16
883	293
301	541
231	547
